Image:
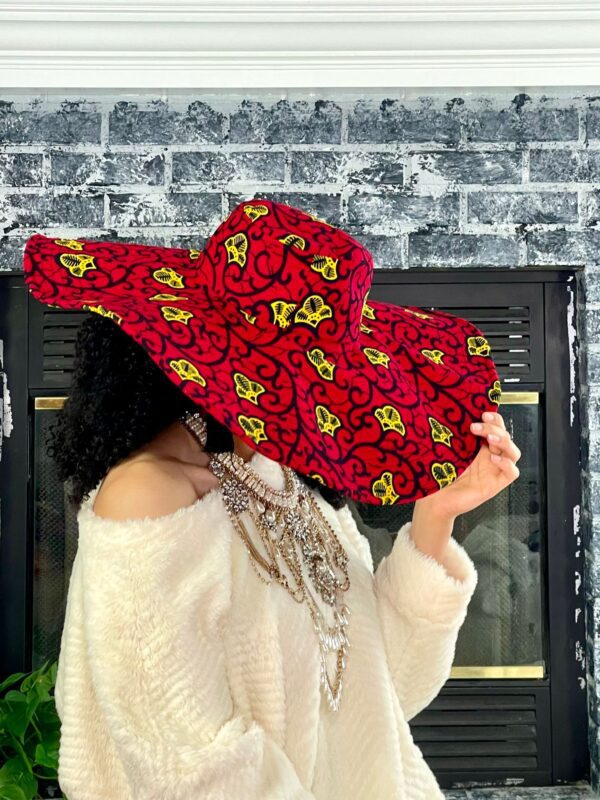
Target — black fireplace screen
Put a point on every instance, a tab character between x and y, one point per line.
515	701
502	634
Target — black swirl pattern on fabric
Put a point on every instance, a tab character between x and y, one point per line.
269	327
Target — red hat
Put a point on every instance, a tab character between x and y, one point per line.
269	329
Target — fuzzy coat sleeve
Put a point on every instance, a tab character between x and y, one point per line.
422	604
154	598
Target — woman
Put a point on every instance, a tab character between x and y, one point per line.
145	705
185	671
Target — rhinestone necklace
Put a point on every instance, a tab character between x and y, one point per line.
288	521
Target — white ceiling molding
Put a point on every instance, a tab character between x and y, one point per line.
285	44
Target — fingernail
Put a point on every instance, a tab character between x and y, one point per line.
495	457
476	426
488	416
493	438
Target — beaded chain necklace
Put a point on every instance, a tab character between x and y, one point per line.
288	520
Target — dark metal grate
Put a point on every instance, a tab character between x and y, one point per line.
479	732
508	330
59	331
509	315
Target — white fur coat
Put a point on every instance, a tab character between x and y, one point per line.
183	677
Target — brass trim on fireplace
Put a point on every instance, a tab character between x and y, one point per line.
516	671
49	403
506	398
512	398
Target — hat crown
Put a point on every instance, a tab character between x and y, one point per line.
287	269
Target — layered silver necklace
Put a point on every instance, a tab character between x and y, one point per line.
294	531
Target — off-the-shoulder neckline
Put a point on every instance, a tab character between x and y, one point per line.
258	460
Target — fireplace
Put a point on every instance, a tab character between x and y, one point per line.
514	706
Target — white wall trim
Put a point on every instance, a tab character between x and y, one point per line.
309	44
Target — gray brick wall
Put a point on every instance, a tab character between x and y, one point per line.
443	178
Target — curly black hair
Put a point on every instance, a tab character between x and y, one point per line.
118	401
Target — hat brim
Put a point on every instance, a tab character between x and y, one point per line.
384	419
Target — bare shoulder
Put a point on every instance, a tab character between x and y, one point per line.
151	487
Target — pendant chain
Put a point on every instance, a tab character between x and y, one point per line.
287	521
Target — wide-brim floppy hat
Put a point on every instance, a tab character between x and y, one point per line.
269	329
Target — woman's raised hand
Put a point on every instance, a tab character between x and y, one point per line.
491	471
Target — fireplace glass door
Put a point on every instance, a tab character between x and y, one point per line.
54	540
503	633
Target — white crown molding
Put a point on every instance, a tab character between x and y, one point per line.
288	43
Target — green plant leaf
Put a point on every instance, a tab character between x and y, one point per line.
46	752
38	682
47	717
14	776
29	733
12	793
16	676
16	716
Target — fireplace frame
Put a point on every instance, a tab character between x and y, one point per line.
21	320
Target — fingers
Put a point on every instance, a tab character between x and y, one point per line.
507	466
494	418
498	440
508	451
